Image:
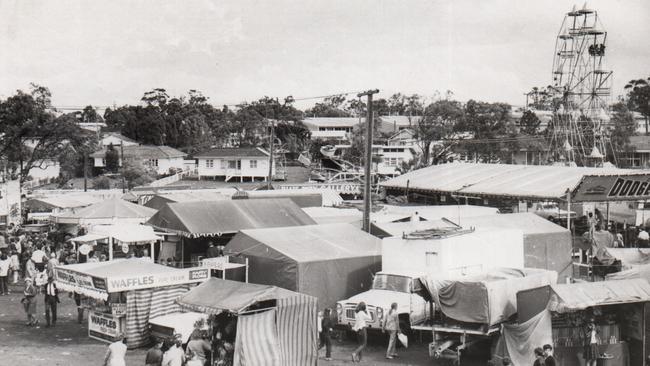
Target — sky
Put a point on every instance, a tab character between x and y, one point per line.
111	52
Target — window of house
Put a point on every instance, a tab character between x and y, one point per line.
103	162
152	162
224	164
232	164
209	163
253	164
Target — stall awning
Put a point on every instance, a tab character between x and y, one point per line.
579	296
87	238
98	279
105	212
127	233
216	295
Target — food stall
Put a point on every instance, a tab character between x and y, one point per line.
257	324
118	240
122	295
617	308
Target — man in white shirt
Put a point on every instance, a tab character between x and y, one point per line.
51	301
116	354
174	355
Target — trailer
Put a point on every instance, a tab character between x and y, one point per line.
471	309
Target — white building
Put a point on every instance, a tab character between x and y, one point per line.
160	158
340	128
242	163
117	139
388	157
10	203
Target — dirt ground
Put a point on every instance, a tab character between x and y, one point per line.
68	343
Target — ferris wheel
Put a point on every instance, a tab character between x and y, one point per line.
581	88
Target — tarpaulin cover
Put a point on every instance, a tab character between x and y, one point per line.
631	257
489	298
105	213
217	295
518	341
142	305
195	219
640	271
579	296
330	262
127	233
159	201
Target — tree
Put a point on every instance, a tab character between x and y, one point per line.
330	107
624	127
529	123
396	104
638	94
89	114
437	124
486	123
112	159
32	134
136	174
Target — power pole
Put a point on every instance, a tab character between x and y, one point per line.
368	165
270	178
85	171
122	165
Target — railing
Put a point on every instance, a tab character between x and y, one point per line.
171	179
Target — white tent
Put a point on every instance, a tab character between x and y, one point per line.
120	234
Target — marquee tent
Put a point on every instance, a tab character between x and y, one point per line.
546	245
120	234
127	293
214	218
538	182
274	326
159	201
331	262
110	211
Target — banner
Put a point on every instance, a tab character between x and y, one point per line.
628	187
72	278
214	263
178	277
104	326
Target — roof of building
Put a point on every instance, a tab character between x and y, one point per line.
332	121
239	152
579	296
499	180
119	136
145	152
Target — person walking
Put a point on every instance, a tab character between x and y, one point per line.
4	274
548	353
591	345
327	326
29	302
200	346
51	301
539	357
194	360
14	266
116	353
51	263
361	319
154	355
392	326
174	355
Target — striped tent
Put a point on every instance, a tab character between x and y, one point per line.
142	305
285	334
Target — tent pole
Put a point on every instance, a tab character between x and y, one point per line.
153	257
568	209
110	248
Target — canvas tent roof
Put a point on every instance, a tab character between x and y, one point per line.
640	271
113	208
331	215
158	201
196	219
313	242
451	212
579	296
503	180
127	233
217	295
63	201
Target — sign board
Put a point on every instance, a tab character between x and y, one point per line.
104	327
176	277
214	263
72	278
626	187
118	310
343	188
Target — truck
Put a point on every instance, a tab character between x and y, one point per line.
425	250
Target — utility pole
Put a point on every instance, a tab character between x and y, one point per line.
368	165
270	178
122	165
85	171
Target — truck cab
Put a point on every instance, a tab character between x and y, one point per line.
388	287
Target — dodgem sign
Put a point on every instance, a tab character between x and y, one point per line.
630	187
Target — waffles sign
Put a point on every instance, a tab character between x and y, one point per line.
613	188
176	277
